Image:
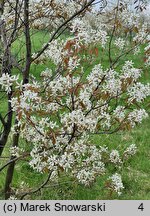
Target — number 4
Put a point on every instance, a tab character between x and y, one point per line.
141	207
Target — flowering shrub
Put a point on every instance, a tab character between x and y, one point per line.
58	114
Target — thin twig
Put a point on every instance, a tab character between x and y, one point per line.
38	189
60	27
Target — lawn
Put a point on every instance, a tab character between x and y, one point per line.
135	175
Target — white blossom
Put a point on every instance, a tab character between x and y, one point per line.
138	92
116	183
137	116
115	157
6	81
119	113
120	43
130	151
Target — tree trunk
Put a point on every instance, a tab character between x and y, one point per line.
26	71
6	68
10	170
7	127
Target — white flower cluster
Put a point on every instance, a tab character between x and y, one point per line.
129	19
96	76
85	177
7	81
116	183
128	71
48	14
137	116
130	151
77	117
119	113
86	159
55	51
138	92
28	100
115	157
120	43
89	30
142	35
84	98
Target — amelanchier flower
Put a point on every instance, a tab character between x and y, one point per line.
58	114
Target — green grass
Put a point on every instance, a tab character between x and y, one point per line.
136	173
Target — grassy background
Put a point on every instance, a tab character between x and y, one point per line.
136	175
